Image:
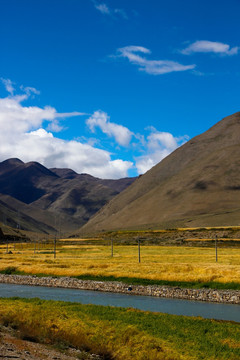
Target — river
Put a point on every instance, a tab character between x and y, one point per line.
147	303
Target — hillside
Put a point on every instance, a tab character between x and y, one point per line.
197	185
35	198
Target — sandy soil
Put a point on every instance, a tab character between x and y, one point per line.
11	347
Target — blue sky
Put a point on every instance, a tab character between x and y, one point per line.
111	87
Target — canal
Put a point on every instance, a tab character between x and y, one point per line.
147	303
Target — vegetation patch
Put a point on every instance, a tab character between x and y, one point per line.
10	270
121	334
183	284
183	266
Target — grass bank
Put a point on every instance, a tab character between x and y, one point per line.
136	281
117	333
182	284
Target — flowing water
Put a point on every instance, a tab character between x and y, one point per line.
147	303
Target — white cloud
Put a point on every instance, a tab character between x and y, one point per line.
155	147
41	133
100	119
8	85
205	46
158	146
155	67
22	135
29	90
162	140
106	10
26	133
103	8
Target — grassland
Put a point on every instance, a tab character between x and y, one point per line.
117	333
121	334
172	264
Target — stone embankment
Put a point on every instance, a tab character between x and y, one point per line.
211	295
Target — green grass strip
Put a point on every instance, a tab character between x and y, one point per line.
137	281
123	334
182	284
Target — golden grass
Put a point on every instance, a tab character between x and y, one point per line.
54	322
219	239
121	334
170	263
210	228
177	229
77	239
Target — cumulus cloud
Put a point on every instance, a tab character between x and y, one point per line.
106	10
23	134
41	133
83	158
158	146
154	67
121	134
205	46
26	132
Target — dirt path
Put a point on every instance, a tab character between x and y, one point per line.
11	347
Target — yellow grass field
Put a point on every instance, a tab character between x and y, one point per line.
172	263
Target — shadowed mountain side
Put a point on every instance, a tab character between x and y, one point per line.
117	185
75	201
57	198
13	213
197	185
21	180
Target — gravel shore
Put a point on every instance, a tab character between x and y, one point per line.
208	295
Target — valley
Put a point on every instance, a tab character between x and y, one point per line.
176	228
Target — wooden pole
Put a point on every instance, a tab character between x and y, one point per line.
216	249
55	241
55	238
139	253
112	247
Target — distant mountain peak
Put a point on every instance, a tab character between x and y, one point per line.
13	161
40	168
41	195
64	173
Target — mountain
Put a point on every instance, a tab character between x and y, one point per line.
39	199
197	185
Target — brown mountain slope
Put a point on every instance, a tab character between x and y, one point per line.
197	185
36	198
24	216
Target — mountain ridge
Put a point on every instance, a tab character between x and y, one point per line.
51	199
197	184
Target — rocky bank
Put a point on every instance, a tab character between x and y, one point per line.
211	295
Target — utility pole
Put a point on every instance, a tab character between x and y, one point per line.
55	238
139	253
216	249
18	222
54	251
